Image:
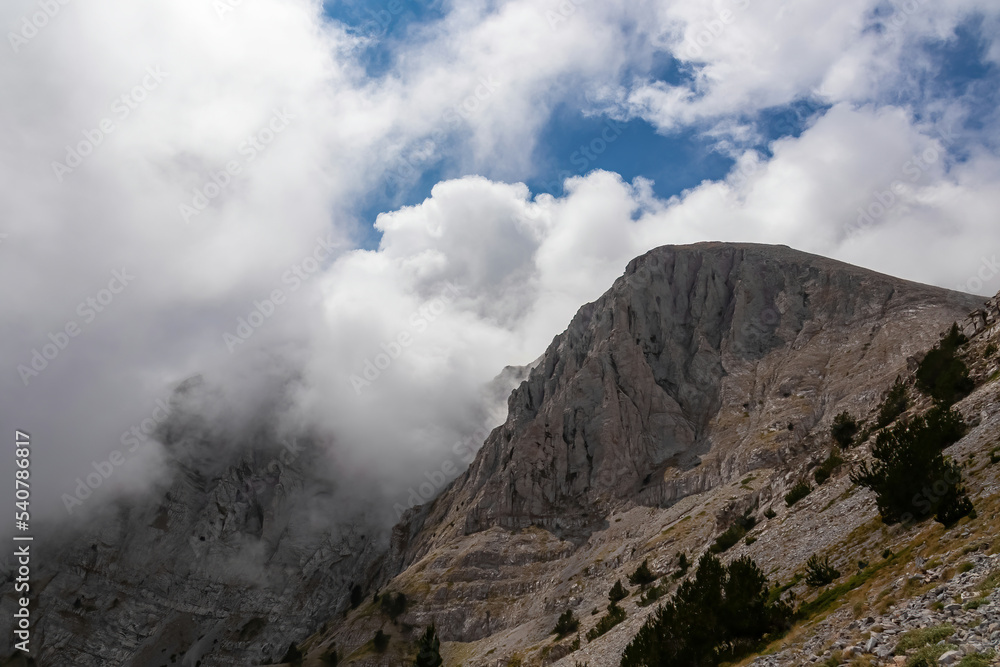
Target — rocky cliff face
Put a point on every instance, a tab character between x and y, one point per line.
701	385
700	363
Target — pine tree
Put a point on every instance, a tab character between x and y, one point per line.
567	624
910	476
618	592
642	576
942	375
895	404
844	429
428	649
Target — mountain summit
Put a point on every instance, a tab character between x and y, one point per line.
661	388
699	389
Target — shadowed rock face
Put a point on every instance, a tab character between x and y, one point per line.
660	388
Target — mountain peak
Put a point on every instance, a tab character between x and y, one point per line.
641	397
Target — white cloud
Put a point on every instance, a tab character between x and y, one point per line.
477	86
748	55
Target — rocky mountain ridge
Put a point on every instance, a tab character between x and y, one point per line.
700	387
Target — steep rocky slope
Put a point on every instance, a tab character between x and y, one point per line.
702	385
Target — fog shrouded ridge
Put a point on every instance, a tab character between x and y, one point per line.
187	191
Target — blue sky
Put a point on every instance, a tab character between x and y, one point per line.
572	140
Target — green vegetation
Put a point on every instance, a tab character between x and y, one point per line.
642	576
652	594
987	585
428	649
734	533
913	639
820	572
942	375
844	429
330	658
614	616
566	625
977	660
380	641
835	659
719	615
829	596
833	461
910	476
682	565
393	605
895	404
797	493
928	656
618	592
990	351
770	513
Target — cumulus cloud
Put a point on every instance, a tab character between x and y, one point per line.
742	56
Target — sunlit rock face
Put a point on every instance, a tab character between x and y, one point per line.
700	364
661	388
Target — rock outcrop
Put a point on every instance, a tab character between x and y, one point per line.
702	385
701	363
